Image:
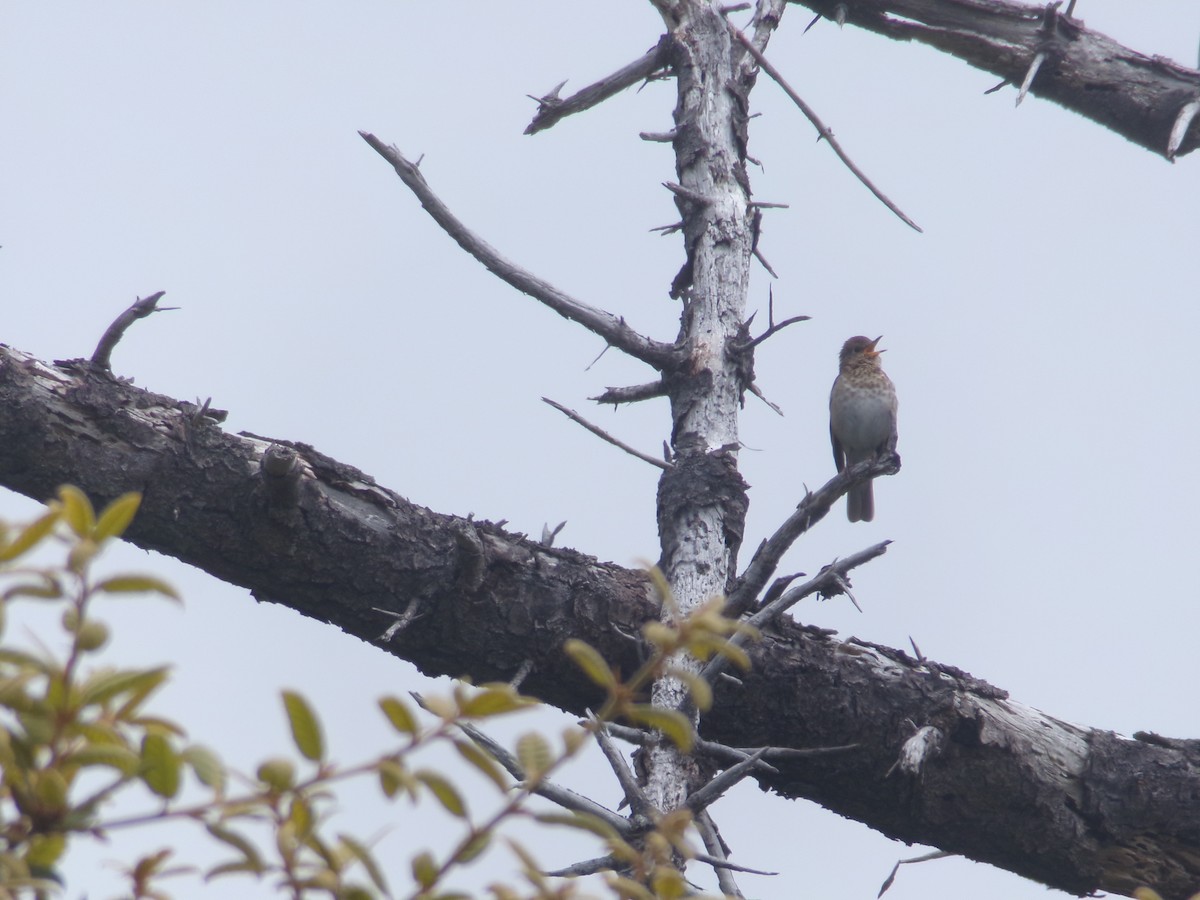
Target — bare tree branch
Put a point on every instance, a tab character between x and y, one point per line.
610	327
716	787
1137	96
632	394
552	109
113	334
604	435
829	581
824	130
812	509
564	797
717	850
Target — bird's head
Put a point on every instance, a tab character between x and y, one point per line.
859	349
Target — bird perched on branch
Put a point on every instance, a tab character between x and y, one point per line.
862	417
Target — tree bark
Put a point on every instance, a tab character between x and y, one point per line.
1074	808
1145	98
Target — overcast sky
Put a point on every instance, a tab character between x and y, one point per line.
1041	334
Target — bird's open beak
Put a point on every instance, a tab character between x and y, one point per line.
871	351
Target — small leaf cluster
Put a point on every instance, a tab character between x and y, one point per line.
75	734
703	633
649	867
72	735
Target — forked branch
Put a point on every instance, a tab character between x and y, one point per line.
809	511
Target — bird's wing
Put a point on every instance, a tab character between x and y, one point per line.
839	455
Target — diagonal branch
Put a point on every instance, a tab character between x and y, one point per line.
604	435
811	510
824	130
612	328
829	581
551	109
1013	793
564	797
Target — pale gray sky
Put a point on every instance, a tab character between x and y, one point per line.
1039	334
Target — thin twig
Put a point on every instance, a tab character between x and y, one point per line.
827	581
762	261
612	328
757	392
716	848
604	435
633	393
138	310
936	854
821	127
717	863
562	796
639	803
587	867
403	620
814	507
551	109
710	793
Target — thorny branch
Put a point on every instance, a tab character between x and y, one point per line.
552	109
829	581
604	435
140	308
814	507
822	129
612	328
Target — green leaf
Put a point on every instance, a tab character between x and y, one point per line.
589	659
137	584
393	777
160	766
494	700
363	855
117	516
471	752
674	724
105	685
398	714
50	588
700	689
735	654
77	510
534	754
306	730
475	846
277	773
207	766
446	793
300	815
45	850
116	757
233	868
51	788
424	869
668	884
250	855
32	535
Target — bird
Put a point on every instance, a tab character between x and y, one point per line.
862	417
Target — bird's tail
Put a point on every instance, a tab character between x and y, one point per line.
860	503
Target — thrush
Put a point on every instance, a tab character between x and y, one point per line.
862	417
